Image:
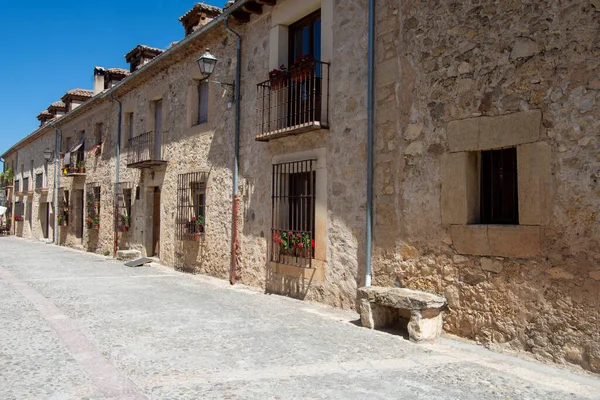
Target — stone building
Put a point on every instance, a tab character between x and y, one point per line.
485	159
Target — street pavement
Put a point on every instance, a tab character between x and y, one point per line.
75	325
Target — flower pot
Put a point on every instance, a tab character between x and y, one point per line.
124	228
197	237
96	226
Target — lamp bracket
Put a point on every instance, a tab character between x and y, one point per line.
229	87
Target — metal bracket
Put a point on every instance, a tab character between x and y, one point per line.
229	87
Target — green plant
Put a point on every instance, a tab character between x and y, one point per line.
9	175
107	253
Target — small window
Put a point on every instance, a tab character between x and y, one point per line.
99	133
129	128
191	205
19	210
17	186
499	187
124	201
26	184
203	101
39	181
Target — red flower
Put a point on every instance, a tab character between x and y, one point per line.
290	233
280	240
312	242
301	245
298	235
295	245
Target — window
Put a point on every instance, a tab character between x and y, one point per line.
17	186
63	207
499	187
39	181
92	205
130	127
191	205
26	184
19	210
99	133
124	200
202	102
293	213
305	37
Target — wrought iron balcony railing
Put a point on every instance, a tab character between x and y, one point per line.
294	101
145	150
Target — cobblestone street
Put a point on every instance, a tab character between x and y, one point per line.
80	326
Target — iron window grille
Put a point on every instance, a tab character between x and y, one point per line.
123	204
92	203
293	213
191	205
499	187
63	207
19	211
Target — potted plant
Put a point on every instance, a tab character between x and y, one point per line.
81	167
195	227
97	150
278	77
126	220
96	221
62	220
302	68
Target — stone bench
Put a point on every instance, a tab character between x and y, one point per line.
384	306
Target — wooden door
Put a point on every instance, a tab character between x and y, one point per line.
78	213
156	223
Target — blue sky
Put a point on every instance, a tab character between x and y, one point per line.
51	47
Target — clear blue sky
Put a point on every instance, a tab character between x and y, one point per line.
49	47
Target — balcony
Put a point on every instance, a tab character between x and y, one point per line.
145	151
73	164
294	102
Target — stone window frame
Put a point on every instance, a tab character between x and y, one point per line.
285	14
460	195
319	261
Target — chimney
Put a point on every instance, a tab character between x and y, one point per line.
200	15
99	73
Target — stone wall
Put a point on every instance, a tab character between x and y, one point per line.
442	62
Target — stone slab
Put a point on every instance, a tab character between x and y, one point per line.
402	298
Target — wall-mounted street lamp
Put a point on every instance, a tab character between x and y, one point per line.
48	154
206	63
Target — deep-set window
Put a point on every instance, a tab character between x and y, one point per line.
202	101
17	186
191	205
19	209
123	207
499	187
293	213
39	181
305	37
99	133
26	184
92	205
129	127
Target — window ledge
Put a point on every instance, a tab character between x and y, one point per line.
292	130
316	273
520	241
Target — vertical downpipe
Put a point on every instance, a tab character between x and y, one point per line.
236	154
14	196
370	113
116	200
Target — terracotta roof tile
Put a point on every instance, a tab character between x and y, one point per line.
80	92
143	47
44	114
118	71
58	104
201	7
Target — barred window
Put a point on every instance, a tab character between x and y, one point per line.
19	209
39	181
92	203
63	207
293	213
191	205
123	207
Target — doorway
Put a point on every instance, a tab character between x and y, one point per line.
156	222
